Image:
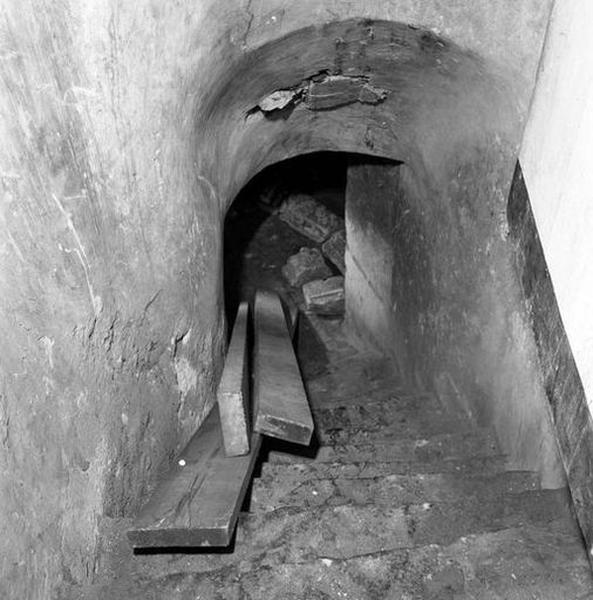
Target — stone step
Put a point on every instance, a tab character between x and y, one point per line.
374	412
487	465
409	425
272	493
343	533
380	415
481	442
385	391
518	563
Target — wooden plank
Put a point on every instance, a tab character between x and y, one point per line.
198	501
280	401
291	313
233	390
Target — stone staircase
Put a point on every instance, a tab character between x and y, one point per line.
399	501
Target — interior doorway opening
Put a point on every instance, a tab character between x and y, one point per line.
258	240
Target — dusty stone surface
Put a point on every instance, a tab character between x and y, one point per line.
394	466
276	490
305	266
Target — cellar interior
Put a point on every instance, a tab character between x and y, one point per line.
157	164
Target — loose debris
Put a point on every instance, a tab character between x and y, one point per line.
310	218
325	297
278	100
305	266
336	90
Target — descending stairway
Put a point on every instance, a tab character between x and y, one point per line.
400	500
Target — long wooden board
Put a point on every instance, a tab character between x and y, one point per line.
280	401
233	390
197	503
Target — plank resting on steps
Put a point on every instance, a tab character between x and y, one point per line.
198	501
280	401
233	390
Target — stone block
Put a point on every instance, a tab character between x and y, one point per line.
325	296
304	266
310	218
334	248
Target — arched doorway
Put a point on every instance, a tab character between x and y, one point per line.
389	90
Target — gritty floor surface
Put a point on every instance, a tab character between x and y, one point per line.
395	499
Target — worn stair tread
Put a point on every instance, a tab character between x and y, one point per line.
233	389
368	470
346	530
420	426
270	493
481	442
517	563
342	533
198	501
321	399
387	415
281	408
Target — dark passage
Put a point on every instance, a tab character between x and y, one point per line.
257	243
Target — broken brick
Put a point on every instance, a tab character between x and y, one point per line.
306	265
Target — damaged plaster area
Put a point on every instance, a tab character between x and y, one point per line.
323	91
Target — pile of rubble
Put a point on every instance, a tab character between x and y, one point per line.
323	292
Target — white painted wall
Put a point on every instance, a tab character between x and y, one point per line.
557	162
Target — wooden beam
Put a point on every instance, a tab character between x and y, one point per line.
233	390
280	401
198	501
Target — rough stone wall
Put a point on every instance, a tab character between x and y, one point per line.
108	340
